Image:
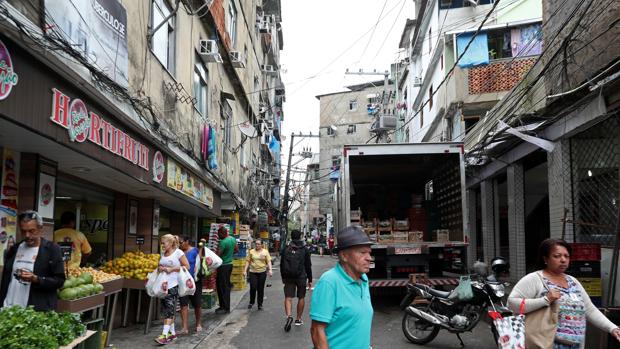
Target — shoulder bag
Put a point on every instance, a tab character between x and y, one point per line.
541	325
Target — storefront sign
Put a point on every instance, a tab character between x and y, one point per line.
47	184
8	78
82	124
159	168
183	181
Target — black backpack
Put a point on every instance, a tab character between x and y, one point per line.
292	265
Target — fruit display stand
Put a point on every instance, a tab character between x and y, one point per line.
111	291
81	305
140	286
79	341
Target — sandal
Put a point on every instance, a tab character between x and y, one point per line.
183	332
198	328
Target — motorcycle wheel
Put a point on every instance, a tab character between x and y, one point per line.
416	335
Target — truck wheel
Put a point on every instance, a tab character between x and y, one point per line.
418	331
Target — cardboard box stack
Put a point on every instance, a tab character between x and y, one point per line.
244	232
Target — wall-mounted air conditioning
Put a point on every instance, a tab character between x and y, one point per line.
237	59
209	51
268	69
417	81
264	27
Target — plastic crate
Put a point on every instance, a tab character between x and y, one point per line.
238	262
239	286
208	300
585	252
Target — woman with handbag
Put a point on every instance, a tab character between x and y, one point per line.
556	306
170	263
258	263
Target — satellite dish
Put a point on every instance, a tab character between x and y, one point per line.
247	129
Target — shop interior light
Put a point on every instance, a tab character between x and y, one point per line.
589	173
63	198
80	169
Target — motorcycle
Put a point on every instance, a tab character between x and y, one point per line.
427	310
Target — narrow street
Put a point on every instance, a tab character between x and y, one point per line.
264	329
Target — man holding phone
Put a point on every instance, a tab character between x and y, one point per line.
33	269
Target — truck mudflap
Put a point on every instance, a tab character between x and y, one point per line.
403	282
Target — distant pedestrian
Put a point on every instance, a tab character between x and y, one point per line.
33	268
276	244
194	258
341	310
295	268
226	248
258	264
170	262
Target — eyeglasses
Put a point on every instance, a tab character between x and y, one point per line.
28	215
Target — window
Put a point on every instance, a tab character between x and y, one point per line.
430	98
448	4
200	87
316	173
227	121
163	41
352	105
232	22
335	161
351	129
499	44
331	130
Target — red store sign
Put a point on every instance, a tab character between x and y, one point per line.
82	125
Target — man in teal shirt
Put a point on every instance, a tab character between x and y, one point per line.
227	246
341	310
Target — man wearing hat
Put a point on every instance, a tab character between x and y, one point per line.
341	310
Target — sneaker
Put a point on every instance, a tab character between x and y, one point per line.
289	322
162	339
260	307
172	337
251	305
298	322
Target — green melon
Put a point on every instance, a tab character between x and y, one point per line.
87	277
99	288
68	294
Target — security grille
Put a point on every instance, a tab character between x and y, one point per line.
595	166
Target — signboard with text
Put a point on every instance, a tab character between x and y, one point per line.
183	181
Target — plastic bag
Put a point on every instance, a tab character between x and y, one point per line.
216	261
159	288
187	285
150	282
463	291
510	329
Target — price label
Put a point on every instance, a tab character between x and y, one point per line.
408	250
66	249
139	239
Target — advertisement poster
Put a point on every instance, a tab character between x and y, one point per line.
156	217
183	181
47	185
8	200
98	28
133	217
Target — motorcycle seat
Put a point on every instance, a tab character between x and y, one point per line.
434	292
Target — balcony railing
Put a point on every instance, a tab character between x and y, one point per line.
499	75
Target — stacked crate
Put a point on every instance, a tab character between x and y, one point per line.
585	265
244	232
356	217
370	228
384	232
400	231
237	278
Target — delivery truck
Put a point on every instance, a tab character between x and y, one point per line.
410	200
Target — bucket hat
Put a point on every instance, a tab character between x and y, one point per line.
352	236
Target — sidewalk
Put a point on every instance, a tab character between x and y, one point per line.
133	336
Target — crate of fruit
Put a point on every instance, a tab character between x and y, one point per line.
442	235
401	224
400	237
416	236
384	225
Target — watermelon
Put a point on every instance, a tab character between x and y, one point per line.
68	294
87	277
99	288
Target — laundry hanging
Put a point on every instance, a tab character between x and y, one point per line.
477	53
204	142
526	41
212	156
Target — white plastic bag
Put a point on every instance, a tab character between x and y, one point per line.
150	282
216	261
187	285
160	286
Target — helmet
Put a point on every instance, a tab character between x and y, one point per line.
500	265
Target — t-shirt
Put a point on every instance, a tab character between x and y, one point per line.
192	255
19	291
227	248
79	244
172	261
344	305
258	260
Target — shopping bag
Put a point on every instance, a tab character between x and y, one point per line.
463	291
160	286
571	328
213	260
150	282
510	329
187	285
541	325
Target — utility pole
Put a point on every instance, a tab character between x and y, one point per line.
284	211
385	100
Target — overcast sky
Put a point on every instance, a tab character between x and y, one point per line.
323	38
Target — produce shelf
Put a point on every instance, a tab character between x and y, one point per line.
134	284
82	304
79	340
113	286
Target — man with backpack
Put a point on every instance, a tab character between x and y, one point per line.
295	268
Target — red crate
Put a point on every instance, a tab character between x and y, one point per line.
585	252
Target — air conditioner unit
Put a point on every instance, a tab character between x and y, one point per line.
264	27
209	51
387	122
270	19
237	59
417	81
267	68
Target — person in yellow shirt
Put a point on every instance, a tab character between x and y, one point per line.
258	263
80	248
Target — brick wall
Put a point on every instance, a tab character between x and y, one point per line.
498	76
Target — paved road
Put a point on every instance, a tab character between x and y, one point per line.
253	329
